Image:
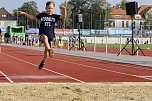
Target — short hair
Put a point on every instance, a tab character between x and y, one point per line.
50	2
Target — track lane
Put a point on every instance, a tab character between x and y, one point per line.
89	75
14	67
126	68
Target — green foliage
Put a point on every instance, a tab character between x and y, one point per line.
68	19
95	13
29	7
122	4
148	22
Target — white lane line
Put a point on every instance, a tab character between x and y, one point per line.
84	58
44	68
99	68
6	77
37	77
103	69
115	63
65	75
147	76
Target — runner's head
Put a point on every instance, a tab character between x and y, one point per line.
50	5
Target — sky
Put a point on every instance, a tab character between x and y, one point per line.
9	5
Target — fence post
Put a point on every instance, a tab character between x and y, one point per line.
137	45
95	43
120	42
106	43
68	42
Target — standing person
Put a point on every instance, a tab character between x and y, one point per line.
54	42
0	39
60	38
47	25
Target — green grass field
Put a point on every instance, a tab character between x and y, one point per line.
142	46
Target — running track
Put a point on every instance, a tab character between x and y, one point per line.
20	65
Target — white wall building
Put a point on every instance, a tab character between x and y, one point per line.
5	23
119	18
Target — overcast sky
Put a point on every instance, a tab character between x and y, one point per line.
14	4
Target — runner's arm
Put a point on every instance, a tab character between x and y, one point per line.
27	15
63	16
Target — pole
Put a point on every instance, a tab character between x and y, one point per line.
107	43
64	19
79	18
91	18
138	44
91	22
68	42
79	34
120	42
95	43
132	40
17	20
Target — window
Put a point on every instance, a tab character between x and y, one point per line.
134	24
127	24
117	16
17	30
123	24
3	16
113	23
141	23
137	17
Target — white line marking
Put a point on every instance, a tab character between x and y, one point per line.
44	68
84	58
146	76
102	69
37	77
115	63
64	75
6	77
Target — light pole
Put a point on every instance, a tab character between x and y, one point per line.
90	17
17	18
79	19
64	19
73	13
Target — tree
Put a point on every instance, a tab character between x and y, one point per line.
29	7
122	4
94	13
148	22
67	22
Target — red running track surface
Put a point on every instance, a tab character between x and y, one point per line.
20	65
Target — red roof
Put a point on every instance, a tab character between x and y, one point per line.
143	8
115	11
118	11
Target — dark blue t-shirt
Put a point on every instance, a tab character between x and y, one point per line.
47	24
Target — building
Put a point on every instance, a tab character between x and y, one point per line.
5	15
120	20
6	19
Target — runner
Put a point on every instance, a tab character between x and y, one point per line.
47	25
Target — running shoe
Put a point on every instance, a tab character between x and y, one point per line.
51	53
41	65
